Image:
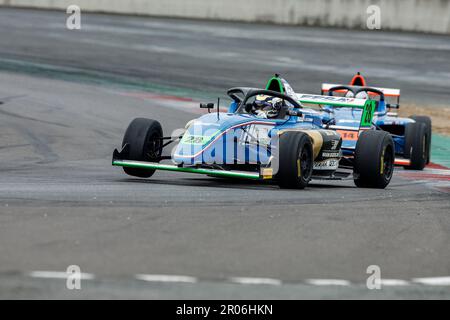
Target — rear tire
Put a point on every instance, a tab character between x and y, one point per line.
374	159
427	121
416	145
296	160
143	137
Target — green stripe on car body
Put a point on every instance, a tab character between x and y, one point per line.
167	167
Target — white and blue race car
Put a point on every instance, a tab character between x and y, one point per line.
412	136
267	134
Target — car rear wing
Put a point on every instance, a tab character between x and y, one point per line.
368	106
388	92
331	100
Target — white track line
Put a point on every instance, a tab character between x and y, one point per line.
59	275
430	281
246	280
394	282
165	278
433	281
327	282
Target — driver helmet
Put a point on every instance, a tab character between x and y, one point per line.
359	95
362	95
267	106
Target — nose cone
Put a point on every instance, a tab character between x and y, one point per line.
231	139
206	137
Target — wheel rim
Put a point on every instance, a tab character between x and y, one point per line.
153	147
424	149
305	163
388	164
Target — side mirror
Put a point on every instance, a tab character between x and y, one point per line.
294	112
207	105
392	106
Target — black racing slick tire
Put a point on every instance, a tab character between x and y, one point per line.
374	159
416	148
143	137
427	121
295	160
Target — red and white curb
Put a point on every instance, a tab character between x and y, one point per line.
175	102
180	279
427	174
434	176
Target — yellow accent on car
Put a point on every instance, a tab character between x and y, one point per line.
315	136
317	141
267	173
299	169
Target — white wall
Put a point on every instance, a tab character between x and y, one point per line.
408	15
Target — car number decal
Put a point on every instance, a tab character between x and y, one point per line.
348	135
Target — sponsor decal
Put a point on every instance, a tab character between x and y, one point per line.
325	98
328	132
334	144
330	164
328	154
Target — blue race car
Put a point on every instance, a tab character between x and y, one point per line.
412	136
266	134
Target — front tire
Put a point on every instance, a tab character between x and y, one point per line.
143	137
296	160
416	147
374	159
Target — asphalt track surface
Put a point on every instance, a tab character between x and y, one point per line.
61	202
